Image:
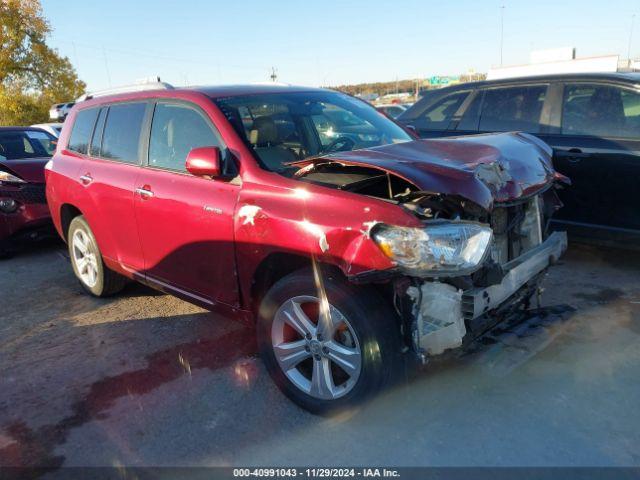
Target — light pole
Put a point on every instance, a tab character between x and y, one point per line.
501	31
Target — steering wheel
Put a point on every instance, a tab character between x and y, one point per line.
340	144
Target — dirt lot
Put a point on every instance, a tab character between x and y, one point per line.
146	379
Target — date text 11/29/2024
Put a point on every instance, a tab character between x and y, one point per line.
316	472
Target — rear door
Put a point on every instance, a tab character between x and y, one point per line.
186	222
108	176
597	145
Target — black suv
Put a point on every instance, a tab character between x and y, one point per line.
592	121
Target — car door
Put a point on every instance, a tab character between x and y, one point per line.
598	146
108	176
185	222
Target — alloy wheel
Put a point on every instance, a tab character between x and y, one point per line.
316	347
84	258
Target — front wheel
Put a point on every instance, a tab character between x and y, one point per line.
94	276
326	343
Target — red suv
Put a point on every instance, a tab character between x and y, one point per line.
346	240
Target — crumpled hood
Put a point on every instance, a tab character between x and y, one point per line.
482	168
29	169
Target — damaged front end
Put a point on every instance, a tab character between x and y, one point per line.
466	274
484	202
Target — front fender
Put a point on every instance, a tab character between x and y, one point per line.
313	221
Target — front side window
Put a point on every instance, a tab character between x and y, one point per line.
176	130
513	108
285	127
601	111
121	137
82	129
17	144
438	115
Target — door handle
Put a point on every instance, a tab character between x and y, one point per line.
144	192
86	179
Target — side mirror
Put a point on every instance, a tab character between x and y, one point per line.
204	162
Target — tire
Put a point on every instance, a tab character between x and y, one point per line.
94	276
360	318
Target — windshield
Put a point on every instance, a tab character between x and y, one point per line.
286	127
17	144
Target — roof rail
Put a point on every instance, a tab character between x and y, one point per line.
136	87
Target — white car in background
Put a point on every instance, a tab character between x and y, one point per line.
59	111
52	128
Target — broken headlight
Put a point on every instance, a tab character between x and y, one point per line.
6	177
441	249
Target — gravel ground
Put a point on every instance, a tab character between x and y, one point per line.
146	379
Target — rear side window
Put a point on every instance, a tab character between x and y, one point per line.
514	108
438	115
82	129
175	131
601	111
121	137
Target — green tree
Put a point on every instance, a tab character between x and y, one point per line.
32	75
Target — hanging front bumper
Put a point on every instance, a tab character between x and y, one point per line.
518	272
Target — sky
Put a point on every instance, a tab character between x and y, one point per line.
324	42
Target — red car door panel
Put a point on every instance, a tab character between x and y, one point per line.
185	222
186	231
109	187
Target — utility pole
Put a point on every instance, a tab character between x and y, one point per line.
274	75
633	18
501	31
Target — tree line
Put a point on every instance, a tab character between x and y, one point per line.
33	76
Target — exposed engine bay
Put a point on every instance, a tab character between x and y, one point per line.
440	312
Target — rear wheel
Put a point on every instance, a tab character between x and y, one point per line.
326	343
94	276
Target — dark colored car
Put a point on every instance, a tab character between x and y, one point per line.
592	122
344	250
24	213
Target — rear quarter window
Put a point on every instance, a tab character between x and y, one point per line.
82	129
